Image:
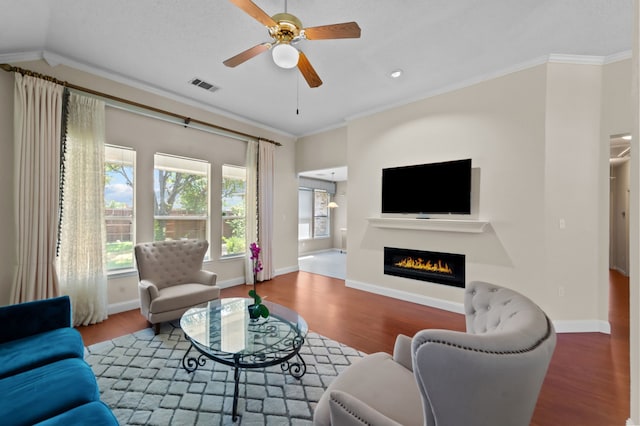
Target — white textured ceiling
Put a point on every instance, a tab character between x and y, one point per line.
439	44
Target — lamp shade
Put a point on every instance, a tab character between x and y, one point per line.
332	205
285	55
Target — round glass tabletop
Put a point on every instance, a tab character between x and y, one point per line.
224	332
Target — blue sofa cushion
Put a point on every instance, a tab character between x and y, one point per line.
27	319
34	351
94	413
47	391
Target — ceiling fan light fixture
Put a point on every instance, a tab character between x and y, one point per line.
285	55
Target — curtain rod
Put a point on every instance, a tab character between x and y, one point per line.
184	119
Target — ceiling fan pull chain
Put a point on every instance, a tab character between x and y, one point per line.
297	94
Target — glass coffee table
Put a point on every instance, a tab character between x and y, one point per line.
223	332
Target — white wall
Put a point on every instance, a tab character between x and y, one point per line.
523	132
499	124
148	136
322	150
576	261
539	140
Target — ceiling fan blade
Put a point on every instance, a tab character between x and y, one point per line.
254	11
247	54
324	32
308	72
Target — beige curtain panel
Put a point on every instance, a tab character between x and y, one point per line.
266	170
37	134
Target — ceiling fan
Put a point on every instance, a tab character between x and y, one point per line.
287	30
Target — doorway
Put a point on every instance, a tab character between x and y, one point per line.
619	187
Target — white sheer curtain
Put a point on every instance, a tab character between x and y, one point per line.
266	170
37	134
81	266
251	211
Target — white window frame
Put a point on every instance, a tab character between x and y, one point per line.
174	163
115	154
239	172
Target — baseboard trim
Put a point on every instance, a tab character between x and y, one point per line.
561	326
408	297
582	326
311	253
231	283
286	270
129	305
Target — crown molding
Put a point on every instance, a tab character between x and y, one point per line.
455	86
53	59
590	60
10	58
541	60
617	57
556	58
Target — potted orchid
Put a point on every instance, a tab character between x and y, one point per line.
256	309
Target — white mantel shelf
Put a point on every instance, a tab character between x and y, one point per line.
444	225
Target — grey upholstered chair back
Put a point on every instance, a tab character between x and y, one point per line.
491	375
170	262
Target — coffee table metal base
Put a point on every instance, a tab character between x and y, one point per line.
296	369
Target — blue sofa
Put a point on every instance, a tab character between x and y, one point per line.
44	379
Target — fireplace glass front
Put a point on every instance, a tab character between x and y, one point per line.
436	267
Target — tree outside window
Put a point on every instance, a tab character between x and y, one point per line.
181	198
234	186
119	169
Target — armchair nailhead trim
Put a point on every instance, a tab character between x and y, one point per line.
354	415
466	348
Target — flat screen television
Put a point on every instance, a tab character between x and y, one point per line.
434	188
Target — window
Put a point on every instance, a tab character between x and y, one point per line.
320	213
234	191
181	198
119	167
313	213
305	213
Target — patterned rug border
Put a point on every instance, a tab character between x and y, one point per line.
141	379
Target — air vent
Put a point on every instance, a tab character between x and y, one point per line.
203	84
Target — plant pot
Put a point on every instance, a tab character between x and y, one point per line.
254	311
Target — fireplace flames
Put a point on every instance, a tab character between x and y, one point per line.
422	265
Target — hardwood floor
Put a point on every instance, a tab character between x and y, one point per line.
588	379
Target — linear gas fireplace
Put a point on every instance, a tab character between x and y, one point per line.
442	268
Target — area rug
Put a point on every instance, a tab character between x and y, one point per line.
141	378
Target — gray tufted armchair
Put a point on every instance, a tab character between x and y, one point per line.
171	279
490	375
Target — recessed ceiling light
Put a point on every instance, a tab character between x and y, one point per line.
627	137
395	74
